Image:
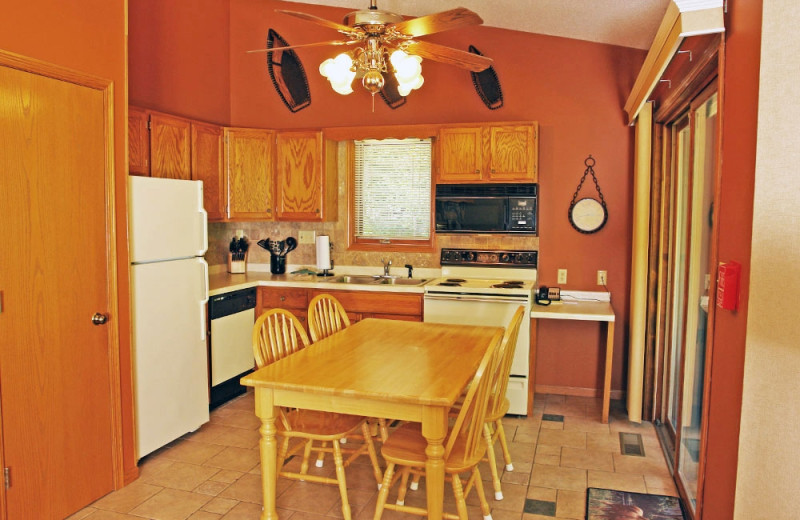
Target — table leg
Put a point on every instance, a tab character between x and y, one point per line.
268	447
607	379
434	429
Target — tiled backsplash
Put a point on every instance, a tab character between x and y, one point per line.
220	234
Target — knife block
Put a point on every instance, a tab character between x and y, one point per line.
237	266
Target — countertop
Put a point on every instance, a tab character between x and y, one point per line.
577	305
220	281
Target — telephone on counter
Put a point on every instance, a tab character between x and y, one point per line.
546	295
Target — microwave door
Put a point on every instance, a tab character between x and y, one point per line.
471	214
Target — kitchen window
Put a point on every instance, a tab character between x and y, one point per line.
391	194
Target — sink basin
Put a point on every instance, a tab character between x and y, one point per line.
378	280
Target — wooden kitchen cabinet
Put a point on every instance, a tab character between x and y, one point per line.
138	141
377	304
159	145
305	177
289	298
170	147
503	152
208	166
249	166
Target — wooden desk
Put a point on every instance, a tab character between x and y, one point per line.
584	311
377	368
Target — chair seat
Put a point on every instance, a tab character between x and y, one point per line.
324	426
406	447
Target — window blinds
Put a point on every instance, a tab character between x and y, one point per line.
393	189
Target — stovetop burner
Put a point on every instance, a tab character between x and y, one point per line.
510	284
455	280
449	284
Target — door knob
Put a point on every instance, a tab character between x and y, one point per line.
99	318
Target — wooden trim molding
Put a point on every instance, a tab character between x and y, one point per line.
675	26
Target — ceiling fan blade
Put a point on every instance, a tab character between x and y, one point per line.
438	22
315	44
449	55
320	21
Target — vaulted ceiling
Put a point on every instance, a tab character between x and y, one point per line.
628	23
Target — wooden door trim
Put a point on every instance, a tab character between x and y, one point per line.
57	72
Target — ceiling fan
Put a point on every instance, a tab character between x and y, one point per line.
384	40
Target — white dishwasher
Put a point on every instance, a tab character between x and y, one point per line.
232	316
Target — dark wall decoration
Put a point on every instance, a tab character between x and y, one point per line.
389	92
487	85
287	74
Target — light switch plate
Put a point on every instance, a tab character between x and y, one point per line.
307	237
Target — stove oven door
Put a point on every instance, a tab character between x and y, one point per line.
489	310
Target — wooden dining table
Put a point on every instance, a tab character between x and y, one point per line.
394	369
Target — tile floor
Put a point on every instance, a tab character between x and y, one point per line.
557	454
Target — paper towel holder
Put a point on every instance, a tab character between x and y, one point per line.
327	271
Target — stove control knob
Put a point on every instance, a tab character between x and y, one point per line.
470	256
505	258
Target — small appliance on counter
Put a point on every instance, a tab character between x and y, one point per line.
237	255
324	262
278	249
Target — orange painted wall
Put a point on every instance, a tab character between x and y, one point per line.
739	136
574	89
179	57
88	36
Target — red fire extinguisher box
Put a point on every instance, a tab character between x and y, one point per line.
728	285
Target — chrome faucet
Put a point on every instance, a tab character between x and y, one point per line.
386	265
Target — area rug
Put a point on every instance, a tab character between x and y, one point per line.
609	504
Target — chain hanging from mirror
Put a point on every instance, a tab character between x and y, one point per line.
588	215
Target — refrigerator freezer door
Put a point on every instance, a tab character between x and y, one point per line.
167	219
169	350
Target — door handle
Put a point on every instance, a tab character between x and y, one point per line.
99	318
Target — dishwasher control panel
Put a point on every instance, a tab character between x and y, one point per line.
232	302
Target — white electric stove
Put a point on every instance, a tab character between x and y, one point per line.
480	287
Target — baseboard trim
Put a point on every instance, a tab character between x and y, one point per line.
576	391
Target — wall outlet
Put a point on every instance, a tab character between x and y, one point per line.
307	237
602	277
562	276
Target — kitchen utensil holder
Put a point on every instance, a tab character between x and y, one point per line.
237	266
277	264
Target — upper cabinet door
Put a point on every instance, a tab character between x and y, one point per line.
208	166
512	154
300	177
170	148
460	154
249	162
138	142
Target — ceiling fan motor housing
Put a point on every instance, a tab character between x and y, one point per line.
371	20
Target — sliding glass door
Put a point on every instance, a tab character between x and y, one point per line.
691	267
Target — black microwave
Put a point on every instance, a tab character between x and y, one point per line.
486	208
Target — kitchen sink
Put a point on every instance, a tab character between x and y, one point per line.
378	280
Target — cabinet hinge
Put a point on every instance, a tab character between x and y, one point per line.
148	125
7	477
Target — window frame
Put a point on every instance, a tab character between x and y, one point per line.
355	243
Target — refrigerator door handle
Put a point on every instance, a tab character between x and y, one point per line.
204	301
204	227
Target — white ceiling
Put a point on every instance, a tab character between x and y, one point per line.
629	23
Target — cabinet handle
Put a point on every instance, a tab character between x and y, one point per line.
283	298
477	171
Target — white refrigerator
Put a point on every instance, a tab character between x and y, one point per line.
168	236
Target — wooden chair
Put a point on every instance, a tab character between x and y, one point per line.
325	316
498	402
464	448
278	333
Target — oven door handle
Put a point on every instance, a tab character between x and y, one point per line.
468	298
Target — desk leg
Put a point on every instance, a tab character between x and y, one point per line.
607	379
434	429
268	447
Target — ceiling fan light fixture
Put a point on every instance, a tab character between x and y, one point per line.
407	70
340	72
